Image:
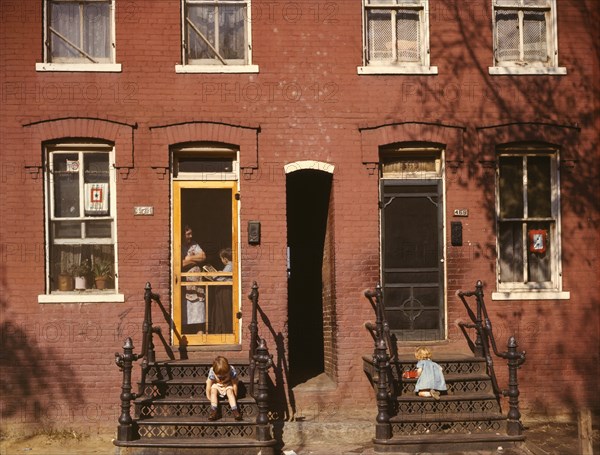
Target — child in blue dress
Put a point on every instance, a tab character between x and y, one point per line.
430	375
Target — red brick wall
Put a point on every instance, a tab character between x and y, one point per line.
307	102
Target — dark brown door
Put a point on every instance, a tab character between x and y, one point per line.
413	268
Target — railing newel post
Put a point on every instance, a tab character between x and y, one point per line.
125	363
515	360
383	429
263	361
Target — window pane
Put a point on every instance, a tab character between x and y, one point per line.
507	36
203	19
540	263
231	31
379	25
98	229
539	195
220	309
511	187
96	168
96	24
66	184
67	230
511	252
64	20
409	36
204	165
534	37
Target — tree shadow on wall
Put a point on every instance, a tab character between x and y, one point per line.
36	386
465	95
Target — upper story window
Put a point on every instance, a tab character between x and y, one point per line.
79	35
216	36
528	216
396	37
81	259
525	37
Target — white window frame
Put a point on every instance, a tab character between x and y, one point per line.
533	290
88	295
521	67
215	65
382	67
88	66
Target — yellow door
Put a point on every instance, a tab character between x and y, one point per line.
205	263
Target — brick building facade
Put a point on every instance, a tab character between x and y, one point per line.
343	153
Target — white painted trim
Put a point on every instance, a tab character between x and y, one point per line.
425	70
521	71
310	165
75	297
531	295
80	67
231	69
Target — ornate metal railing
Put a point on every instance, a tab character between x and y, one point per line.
485	339
260	361
380	331
125	362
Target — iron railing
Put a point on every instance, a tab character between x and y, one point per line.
259	357
485	339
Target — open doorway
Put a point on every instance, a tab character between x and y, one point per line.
308	195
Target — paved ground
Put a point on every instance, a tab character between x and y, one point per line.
543	438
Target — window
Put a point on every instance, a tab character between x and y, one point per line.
80	227
525	37
528	220
396	37
79	36
216	36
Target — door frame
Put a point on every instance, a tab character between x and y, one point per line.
176	274
433	177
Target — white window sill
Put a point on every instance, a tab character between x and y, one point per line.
531	295
424	70
83	297
80	67
232	69
523	71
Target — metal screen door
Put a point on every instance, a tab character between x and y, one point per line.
412	258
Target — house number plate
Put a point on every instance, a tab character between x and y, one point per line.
143	210
461	212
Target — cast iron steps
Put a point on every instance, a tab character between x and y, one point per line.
442	442
467	415
171	414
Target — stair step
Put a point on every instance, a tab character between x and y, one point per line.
196	446
437	442
182	387
447	404
406	418
194	427
150	407
173	369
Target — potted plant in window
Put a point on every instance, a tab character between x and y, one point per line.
80	272
65	281
102	273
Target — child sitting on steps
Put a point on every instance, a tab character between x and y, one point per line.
222	382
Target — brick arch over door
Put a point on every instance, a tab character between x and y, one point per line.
116	132
246	137
373	137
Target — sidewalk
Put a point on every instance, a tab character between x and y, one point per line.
543	438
